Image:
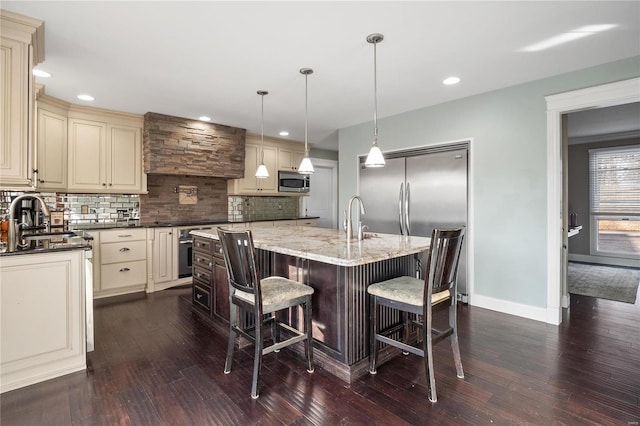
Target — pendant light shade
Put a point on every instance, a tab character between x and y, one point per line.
262	172
375	157
305	168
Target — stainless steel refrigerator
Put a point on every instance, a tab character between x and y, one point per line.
417	191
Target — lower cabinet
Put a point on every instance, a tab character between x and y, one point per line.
120	262
42	331
210	282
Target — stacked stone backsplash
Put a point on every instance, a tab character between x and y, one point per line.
162	204
101	210
246	208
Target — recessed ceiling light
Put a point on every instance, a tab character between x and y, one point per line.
575	34
204	118
86	98
451	80
284	133
40	73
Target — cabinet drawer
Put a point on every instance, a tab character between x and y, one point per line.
203	244
123	274
203	260
123	235
217	249
125	251
202	297
202	275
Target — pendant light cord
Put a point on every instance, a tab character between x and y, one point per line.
375	96
262	130
306	101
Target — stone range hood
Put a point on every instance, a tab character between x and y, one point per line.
181	146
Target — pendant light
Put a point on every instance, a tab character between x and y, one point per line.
305	168
375	157
262	172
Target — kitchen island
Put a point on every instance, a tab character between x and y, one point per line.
339	270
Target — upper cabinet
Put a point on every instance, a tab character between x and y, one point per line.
105	152
22	47
51	136
279	154
289	159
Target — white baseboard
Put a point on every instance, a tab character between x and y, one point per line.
603	260
513	308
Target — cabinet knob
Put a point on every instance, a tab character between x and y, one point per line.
41	180
104	184
110	184
124	269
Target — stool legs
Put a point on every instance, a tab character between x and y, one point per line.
308	348
373	343
232	338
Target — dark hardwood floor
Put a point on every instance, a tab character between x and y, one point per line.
157	363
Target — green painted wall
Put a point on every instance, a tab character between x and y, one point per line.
508	169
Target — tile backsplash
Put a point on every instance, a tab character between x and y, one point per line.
246	208
85	209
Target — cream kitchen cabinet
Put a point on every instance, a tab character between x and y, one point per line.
165	257
105	154
289	160
250	184
120	261
43	329
21	48
51	135
279	154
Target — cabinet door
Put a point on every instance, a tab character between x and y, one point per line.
221	289
285	159
270	184
124	159
297	159
249	184
163	252
87	155
16	141
52	150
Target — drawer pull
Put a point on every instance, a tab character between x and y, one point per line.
199	296
123	249
124	236
124	269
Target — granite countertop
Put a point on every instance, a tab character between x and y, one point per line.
330	245
136	223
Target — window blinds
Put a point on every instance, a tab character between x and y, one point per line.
615	181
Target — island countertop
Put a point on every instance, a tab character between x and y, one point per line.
329	245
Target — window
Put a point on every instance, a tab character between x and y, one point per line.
615	201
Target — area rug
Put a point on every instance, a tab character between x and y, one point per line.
604	282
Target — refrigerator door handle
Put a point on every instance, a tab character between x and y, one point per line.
407	199
400	212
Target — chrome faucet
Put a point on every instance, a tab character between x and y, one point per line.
13	230
349	229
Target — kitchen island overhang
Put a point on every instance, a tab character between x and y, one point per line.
340	271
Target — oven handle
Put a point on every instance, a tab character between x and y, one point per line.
186	242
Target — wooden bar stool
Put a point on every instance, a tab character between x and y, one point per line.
262	297
419	297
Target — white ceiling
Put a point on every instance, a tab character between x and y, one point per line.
209	58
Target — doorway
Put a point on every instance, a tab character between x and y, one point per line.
617	93
323	196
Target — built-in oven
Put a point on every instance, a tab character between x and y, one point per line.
185	252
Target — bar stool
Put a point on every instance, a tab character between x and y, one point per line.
263	297
420	297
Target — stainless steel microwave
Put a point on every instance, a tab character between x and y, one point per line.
293	182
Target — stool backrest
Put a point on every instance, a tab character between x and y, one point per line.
442	267
238	250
